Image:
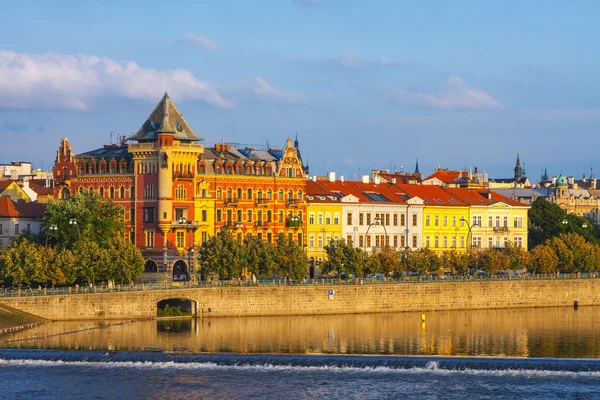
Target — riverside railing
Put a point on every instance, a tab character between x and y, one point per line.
232	283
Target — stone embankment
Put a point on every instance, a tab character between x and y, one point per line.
12	320
327	299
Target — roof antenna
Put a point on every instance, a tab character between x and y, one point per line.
111	135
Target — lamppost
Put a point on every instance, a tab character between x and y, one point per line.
51	228
73	221
566	222
188	226
376	221
464	221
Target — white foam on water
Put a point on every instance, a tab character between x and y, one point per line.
431	367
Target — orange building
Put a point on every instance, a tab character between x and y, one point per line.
258	191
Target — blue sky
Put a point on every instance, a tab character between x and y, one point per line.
367	84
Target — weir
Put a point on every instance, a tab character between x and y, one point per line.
307	300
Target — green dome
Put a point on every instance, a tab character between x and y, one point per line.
562	180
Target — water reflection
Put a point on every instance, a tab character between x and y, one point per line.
550	332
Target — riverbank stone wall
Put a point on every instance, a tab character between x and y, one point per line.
307	300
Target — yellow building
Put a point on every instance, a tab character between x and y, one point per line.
444	218
12	190
324	223
494	219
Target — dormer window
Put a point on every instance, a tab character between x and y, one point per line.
179	127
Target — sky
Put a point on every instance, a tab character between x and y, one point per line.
364	84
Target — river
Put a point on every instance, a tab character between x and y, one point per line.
523	353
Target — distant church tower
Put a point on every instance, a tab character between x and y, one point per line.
518	169
417	167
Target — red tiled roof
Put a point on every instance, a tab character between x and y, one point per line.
317	194
432	195
10	209
40	188
4	184
7	207
365	192
445	175
30	210
481	197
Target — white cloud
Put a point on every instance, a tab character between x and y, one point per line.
348	60
263	89
199	41
458	96
59	81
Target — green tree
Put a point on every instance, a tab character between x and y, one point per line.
343	258
457	262
543	259
259	256
518	256
290	259
22	263
96	219
389	260
563	252
125	260
221	254
494	261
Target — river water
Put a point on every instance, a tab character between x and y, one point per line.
511	354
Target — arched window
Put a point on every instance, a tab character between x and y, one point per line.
229	194
269	194
299	194
239	193
259	194
219	193
65	194
249	194
112	192
101	193
203	193
202	169
122	194
281	194
290	194
81	190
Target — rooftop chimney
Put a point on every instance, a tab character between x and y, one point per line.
331	176
365	179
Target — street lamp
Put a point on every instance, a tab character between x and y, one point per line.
376	221
464	221
51	228
73	221
566	222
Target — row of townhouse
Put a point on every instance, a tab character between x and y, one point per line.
176	193
372	213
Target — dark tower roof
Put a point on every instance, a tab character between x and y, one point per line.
165	118
518	169
417	167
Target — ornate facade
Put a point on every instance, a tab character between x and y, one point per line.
175	193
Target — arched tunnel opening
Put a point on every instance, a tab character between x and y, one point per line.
176	308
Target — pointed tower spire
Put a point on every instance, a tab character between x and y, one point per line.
417	167
518	169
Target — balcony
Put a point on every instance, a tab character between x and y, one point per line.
184	224
261	224
261	202
231	201
183	175
293	203
501	229
293	222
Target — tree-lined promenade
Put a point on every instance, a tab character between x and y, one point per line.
83	243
